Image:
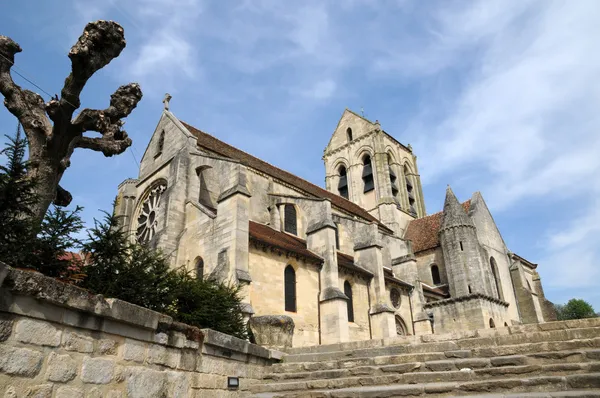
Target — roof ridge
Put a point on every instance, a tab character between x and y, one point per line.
353	208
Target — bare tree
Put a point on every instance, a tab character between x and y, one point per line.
52	132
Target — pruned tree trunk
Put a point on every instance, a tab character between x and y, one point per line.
52	132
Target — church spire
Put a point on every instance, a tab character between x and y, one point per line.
454	214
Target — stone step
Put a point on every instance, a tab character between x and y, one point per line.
333	370
581	385
481	346
405	376
403	340
553	350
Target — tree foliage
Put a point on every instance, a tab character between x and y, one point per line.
135	273
17	197
23	243
575	309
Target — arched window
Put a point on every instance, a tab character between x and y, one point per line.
395	297
343	184
349	134
199	268
367	174
435	275
203	191
494	267
289	276
492	324
289	215
410	191
348	293
161	143
393	177
400	327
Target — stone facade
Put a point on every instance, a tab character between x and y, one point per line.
358	256
60	341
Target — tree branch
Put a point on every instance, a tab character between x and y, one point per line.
107	122
27	106
63	197
100	43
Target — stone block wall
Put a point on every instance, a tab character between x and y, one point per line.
57	340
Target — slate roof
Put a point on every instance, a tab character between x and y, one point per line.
423	232
212	144
443	291
269	236
347	262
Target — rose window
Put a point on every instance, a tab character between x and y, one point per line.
148	218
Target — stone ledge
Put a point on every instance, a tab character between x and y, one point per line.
403	259
229	346
474	296
319	225
35	285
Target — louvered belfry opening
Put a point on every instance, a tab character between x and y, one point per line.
289	276
343	184
435	275
367	174
393	178
410	192
290	220
348	293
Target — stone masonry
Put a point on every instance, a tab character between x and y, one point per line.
57	340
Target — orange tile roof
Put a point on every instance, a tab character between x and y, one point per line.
213	144
423	232
267	235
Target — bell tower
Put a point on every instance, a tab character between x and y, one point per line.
369	167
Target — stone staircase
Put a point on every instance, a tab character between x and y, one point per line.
555	359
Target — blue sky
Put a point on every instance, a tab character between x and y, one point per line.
494	95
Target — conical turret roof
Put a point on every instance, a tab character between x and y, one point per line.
454	214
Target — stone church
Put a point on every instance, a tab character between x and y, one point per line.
358	260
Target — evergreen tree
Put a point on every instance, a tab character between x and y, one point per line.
17	198
55	240
140	275
209	304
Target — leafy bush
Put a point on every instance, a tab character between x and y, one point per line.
575	309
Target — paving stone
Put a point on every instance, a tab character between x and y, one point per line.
590	380
134	350
6	326
61	368
97	370
77	342
20	361
39	391
37	332
143	383
512	360
69	392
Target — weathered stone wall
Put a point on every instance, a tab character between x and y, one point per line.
469	312
426	259
267	292
57	340
360	328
